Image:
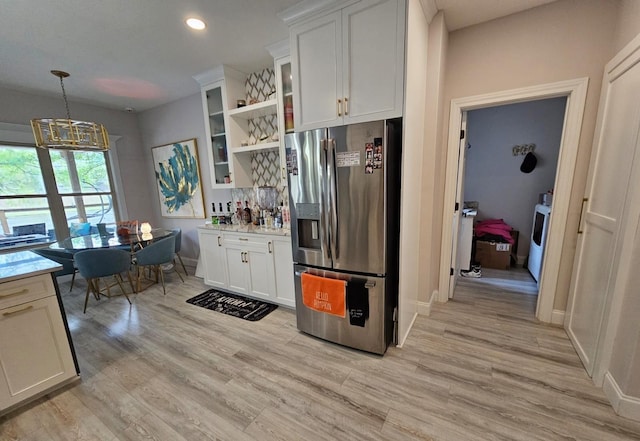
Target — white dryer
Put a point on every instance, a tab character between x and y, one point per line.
541	216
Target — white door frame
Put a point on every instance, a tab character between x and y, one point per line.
576	92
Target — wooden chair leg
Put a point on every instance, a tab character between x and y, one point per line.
95	287
138	279
118	278
182	263
164	291
73	278
86	298
130	281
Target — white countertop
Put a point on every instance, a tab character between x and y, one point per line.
21	264
248	229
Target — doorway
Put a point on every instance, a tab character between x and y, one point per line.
510	162
575	93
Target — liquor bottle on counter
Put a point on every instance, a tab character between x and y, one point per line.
239	214
255	215
246	216
214	218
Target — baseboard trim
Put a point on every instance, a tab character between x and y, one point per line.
557	317
404	337
624	405
424	308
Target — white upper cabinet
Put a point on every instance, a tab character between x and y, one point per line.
215	129
348	65
317	62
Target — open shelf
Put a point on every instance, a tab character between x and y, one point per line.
255	110
256	147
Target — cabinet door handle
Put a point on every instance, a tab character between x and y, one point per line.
242	256
284	173
243	239
17	293
339	107
346	105
581	212
219	244
17	311
269	247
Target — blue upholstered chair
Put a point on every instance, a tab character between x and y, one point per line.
154	256
177	232
62	257
102	262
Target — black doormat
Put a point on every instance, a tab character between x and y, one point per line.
233	304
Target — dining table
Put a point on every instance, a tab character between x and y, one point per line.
132	241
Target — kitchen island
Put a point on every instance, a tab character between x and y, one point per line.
36	351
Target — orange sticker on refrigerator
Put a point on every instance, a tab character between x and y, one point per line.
324	295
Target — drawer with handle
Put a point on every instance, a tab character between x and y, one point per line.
26	290
245	239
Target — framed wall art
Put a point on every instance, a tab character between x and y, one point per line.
178	179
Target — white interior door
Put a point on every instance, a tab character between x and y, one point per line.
457	210
603	206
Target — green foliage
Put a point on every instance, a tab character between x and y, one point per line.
20	171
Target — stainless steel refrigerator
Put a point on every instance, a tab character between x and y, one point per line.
344	185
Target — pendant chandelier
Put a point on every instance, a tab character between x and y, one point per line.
68	134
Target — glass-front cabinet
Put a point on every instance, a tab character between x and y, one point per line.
215	127
287	95
285	107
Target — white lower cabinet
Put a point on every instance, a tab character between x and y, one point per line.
283	256
213	258
256	265
250	264
35	354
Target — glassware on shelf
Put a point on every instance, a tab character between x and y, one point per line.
266	197
288	113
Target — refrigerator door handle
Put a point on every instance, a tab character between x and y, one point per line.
324	211
333	198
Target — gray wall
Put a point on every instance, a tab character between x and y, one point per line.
20	107
493	176
563	40
177	121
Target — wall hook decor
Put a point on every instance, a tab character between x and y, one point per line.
523	149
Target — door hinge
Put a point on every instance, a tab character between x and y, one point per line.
461	134
451	271
456	207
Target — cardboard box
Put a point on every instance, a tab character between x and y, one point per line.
514	248
493	254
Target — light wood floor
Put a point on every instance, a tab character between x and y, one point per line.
480	368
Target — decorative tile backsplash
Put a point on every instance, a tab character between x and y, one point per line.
263	128
265	165
260	85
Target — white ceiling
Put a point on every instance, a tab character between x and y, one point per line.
462	13
139	54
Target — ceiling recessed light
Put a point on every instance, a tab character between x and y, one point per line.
196	23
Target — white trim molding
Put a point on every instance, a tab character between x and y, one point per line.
402	339
557	317
424	308
576	92
624	405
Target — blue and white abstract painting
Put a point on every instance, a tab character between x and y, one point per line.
178	178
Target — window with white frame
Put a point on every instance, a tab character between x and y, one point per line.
61	189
